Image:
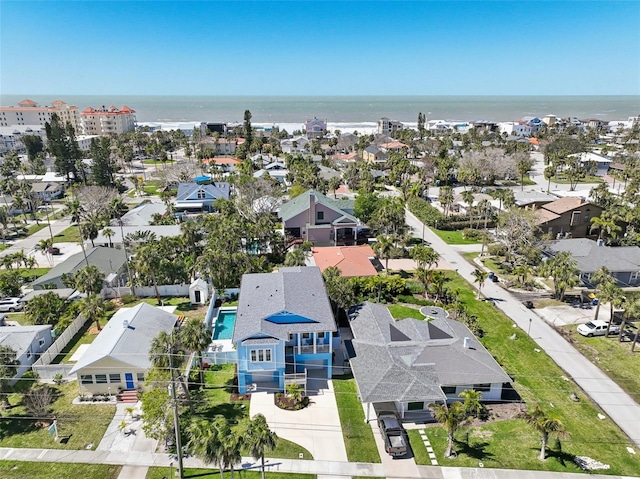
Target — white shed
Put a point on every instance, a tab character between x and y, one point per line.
198	291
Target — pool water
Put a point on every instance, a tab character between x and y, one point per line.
224	325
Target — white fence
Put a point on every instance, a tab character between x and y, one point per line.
43	365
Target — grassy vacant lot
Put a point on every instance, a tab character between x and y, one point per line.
538	380
358	437
400	312
49	470
80	425
161	472
613	357
70	235
215	399
453	237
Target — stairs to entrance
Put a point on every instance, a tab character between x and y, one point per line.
128	396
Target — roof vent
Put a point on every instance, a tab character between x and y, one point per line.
600	242
125	324
467	343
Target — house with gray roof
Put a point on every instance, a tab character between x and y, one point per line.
110	261
29	342
284	326
200	198
409	364
319	219
118	358
622	261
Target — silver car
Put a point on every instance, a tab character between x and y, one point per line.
11	305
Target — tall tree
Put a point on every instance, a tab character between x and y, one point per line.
523	165
450	416
89	280
631	310
205	442
480	277
195	337
602	280
260	439
62	145
384	248
546	425
92	308
103	165
562	269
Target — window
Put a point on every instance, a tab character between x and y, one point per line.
29	354
306	335
140	377
86	379
575	218
201	195
320	215
114	378
290	336
101	378
41	342
260	355
482	387
415	406
449	390
321	335
635	275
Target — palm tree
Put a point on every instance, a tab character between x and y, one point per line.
546	426
205	443
93	309
108	233
613	295
296	257
473	402
602	279
147	262
195	337
480	277
631	310
450	417
89	280
165	353
45	246
230	444
384	248
260	439
334	184
605	223
467	196
424	256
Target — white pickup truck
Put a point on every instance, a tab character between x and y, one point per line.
597	328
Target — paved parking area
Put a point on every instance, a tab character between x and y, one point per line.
564	315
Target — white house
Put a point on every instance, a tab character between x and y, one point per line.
118	358
28	342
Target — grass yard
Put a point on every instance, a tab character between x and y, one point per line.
163	472
56	470
33	273
538	380
33	229
400	312
358	436
80	425
85	335
614	358
70	235
3	246
587	180
157	162
183	306
453	237
215	399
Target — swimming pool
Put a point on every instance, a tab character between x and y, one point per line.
224	324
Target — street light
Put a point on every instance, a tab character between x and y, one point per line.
529	330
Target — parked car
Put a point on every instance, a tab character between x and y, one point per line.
54	250
528	304
11	305
597	328
394	435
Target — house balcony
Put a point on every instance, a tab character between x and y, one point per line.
308	349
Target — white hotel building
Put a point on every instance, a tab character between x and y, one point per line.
28	112
105	121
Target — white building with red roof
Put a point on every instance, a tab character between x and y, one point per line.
107	120
28	112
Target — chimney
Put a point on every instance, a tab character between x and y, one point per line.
467	343
312	208
125	324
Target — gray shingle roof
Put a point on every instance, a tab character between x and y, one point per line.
128	343
19	338
300	203
299	290
217	190
410	360
590	256
107	260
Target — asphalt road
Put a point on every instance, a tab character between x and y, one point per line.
616	403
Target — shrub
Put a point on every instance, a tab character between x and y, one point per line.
39	399
426	213
58	378
472	234
127	298
497	249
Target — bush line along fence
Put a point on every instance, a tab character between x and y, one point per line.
432	217
43	366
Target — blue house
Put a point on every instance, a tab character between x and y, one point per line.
284	327
196	198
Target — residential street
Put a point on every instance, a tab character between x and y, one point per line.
620	407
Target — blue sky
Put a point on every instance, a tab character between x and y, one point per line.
320	48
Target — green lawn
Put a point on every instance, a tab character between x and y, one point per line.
183	306
33	273
538	380
215	399
358	436
81	425
613	357
51	470
163	472
33	229
3	246
157	162
70	235
588	179
400	312
453	237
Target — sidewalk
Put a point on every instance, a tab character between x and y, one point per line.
321	468
620	407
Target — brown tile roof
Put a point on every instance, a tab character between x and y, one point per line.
565	204
350	260
544	216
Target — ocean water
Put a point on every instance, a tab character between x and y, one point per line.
350	110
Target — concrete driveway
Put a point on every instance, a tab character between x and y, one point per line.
316	427
620	407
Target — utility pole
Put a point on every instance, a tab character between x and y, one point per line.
176	420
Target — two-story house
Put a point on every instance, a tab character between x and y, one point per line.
284	327
568	217
198	198
319	219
